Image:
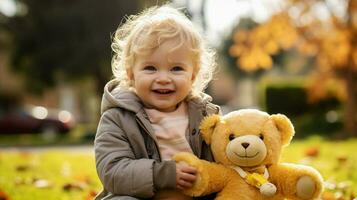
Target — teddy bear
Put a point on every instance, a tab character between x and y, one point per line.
246	145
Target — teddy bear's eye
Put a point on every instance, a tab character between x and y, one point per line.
231	137
261	136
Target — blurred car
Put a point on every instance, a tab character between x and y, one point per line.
35	119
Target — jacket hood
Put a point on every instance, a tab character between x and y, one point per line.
116	97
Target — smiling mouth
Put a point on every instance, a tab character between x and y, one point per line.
163	91
246	155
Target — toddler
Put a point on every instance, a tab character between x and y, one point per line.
153	107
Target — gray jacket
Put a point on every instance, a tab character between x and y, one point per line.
127	155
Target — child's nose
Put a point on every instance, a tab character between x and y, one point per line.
163	78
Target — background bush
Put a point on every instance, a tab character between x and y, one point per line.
291	99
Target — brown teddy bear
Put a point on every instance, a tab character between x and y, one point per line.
246	145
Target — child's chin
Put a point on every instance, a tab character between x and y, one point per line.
166	108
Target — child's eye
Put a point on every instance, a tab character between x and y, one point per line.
177	69
149	68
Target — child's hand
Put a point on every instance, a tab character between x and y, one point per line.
185	175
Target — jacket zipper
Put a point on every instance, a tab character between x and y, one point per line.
151	136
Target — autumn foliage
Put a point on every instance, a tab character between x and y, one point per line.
256	47
330	40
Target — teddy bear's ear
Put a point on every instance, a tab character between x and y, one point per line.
207	127
285	127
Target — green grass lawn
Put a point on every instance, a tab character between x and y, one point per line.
48	175
70	175
336	161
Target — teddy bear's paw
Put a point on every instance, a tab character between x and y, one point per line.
305	187
188	158
202	174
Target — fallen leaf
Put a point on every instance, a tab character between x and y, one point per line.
312	152
4	196
91	194
66	169
73	186
83	178
344	185
22	168
26	155
339	195
305	160
41	183
342	159
19	181
330	185
328	196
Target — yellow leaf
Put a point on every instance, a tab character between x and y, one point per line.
247	63
265	61
240	36
236	50
4	195
271	47
308	48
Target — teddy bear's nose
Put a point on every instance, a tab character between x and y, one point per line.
245	144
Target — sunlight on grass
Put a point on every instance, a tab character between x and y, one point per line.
71	175
48	175
336	161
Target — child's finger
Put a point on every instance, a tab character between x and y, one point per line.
188	177
180	188
184	184
189	169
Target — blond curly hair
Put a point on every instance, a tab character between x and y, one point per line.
143	33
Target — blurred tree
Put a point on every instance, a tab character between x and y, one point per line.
64	40
234	66
317	29
245	78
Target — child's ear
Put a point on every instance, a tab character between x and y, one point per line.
130	74
207	127
193	77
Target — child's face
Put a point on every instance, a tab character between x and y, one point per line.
163	78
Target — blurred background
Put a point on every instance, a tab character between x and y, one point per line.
296	57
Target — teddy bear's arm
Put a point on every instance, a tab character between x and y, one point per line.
296	181
211	177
